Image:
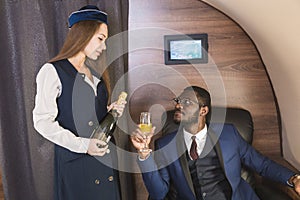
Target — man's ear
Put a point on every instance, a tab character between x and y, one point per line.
204	111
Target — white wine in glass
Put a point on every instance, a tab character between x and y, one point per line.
145	126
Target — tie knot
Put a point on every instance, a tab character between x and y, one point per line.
193	137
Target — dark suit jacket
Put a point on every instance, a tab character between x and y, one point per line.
171	165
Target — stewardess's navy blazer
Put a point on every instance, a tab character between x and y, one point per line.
171	164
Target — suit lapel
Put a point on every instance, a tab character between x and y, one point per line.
183	159
215	141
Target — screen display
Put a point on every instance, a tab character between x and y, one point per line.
185	49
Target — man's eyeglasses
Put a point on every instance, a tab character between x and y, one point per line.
184	101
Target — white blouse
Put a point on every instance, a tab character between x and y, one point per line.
49	88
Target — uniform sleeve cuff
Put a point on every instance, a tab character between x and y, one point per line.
85	144
289	184
143	159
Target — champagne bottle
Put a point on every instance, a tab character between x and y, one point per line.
108	124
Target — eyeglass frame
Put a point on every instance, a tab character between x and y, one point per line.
178	100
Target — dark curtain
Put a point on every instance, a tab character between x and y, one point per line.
32	31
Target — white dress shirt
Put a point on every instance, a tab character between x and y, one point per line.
45	111
200	140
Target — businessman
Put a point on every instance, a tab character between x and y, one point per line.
203	161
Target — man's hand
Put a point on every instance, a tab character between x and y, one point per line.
139	141
296	182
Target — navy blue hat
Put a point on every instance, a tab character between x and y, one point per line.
85	13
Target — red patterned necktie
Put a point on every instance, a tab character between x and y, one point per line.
193	150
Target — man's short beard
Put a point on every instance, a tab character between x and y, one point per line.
177	121
193	119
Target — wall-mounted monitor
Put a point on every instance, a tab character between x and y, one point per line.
186	49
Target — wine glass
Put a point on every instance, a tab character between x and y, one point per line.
145	127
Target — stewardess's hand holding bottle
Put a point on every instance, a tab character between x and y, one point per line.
101	135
